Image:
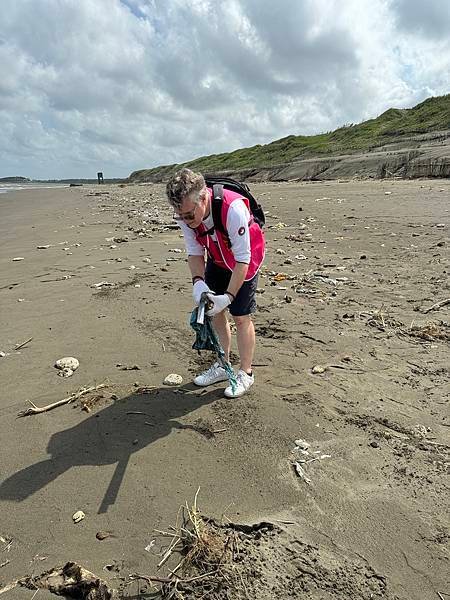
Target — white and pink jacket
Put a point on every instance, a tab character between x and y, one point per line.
221	252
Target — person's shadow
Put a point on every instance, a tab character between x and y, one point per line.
109	436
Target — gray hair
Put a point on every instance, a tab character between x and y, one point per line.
183	184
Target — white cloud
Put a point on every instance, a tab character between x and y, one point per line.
116	85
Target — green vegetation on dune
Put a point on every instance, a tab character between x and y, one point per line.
393	125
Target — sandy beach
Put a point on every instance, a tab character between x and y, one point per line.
352	270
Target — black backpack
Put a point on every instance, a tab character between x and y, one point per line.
217	184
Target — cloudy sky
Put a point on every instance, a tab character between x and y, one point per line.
119	85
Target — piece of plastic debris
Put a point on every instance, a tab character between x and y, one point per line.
43	247
173	379
149	546
78	516
18	258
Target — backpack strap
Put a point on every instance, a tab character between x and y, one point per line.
216	207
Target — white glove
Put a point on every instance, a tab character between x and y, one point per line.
199	288
219	303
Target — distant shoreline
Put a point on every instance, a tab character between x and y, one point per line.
31	185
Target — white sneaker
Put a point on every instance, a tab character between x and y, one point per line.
212	375
244	383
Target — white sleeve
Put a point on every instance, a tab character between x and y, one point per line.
193	248
238	232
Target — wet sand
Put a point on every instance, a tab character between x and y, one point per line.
351	269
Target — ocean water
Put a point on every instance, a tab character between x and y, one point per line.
14	187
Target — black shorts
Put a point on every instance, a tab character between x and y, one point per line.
217	280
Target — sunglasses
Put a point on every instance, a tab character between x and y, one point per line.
189	216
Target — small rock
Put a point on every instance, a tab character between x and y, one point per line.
78	516
288	261
288	299
300	208
2	354
103	535
318	369
18	258
147	260
363	257
173	379
65	372
387	193
440	225
68	362
280	251
43	247
131	267
374	444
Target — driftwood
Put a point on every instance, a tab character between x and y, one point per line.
71	580
437	305
35	410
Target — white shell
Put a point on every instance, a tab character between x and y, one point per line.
302	444
173	379
68	362
78	516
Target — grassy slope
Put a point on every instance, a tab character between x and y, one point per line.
431	115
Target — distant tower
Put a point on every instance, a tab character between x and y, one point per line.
100	177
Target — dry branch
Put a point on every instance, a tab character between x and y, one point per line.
35	410
437	305
19	346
